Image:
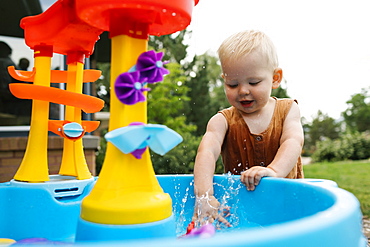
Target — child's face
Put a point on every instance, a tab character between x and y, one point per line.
248	82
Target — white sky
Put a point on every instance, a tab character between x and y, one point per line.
323	45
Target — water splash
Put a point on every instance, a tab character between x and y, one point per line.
181	208
230	201
228	196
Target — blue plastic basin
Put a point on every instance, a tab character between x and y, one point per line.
280	212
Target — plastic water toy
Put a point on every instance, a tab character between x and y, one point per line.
150	65
138	136
6	241
119	201
130	86
205	231
128	203
279	213
58	30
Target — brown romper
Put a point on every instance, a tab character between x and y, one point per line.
241	149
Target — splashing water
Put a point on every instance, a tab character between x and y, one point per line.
181	209
230	201
228	196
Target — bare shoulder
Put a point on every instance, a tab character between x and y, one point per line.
294	111
217	123
292	127
216	129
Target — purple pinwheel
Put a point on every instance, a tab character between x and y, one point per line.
129	87
150	66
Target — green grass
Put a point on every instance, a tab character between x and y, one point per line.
352	176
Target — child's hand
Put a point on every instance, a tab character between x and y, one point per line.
207	210
252	177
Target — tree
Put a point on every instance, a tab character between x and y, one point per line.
198	108
357	115
349	146
172	45
204	83
166	105
322	127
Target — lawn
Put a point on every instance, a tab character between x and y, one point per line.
352	176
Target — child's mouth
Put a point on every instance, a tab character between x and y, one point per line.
246	103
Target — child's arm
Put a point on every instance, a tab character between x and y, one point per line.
290	149
208	152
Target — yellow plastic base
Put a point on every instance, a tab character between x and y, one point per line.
129	208
127	192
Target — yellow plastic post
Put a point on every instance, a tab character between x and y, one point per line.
73	159
127	191
34	166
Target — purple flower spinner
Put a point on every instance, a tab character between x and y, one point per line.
129	87
150	66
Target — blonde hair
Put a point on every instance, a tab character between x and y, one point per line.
242	43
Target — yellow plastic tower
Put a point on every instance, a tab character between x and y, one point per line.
34	166
127	191
73	159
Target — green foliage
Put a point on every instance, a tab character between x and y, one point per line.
357	115
280	92
166	105
172	45
203	73
206	93
349	175
350	146
218	97
322	128
167	99
325	138
179	160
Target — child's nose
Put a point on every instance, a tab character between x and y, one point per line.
244	89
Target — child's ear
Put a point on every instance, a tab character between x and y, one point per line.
277	77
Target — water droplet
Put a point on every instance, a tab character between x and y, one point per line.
159	64
137	85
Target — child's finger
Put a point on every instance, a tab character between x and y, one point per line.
223	221
225	211
257	180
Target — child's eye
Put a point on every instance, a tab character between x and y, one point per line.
253	83
232	85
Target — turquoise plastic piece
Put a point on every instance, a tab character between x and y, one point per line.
159	138
59	186
102	232
73	129
42	210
